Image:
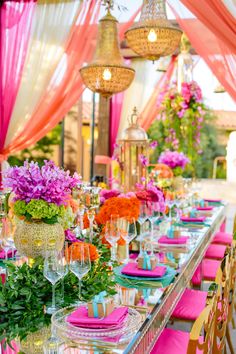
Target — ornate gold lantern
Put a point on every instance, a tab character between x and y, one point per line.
185	62
107	73
153	36
133	149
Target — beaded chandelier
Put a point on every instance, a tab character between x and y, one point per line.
153	36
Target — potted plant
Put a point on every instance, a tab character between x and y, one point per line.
39	203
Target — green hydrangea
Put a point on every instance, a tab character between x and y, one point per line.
20	207
40	209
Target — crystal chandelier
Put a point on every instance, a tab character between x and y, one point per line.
153	36
107	73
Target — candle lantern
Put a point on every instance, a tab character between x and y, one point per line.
133	152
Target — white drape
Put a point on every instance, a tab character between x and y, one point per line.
231	6
50	30
140	90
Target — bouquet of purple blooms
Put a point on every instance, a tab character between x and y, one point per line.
177	161
40	193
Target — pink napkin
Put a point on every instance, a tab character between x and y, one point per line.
9	254
174	241
212	200
205	208
132	269
198	219
79	318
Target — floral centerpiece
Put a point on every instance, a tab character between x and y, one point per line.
177	161
40	203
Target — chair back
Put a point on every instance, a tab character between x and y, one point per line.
204	324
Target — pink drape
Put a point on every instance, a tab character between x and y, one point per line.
116	104
219	55
59	98
150	111
217	18
15	25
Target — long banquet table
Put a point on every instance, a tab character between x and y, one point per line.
161	302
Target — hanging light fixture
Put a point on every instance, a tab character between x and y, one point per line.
107	73
162	65
219	89
153	36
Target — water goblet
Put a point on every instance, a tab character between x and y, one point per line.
153	216
6	237
80	263
91	215
128	231
142	219
53	272
112	234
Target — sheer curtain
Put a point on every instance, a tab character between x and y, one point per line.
52	23
15	26
150	111
218	53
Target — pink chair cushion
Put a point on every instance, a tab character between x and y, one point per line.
191	304
215	251
223	238
209	269
223	226
172	342
197	276
205	271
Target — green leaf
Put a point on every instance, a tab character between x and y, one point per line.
52	220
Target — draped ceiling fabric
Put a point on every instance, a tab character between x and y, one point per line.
54	71
215	41
15	26
139	91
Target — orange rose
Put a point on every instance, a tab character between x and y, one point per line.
75	251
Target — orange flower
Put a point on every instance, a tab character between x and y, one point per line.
75	251
72	203
124	207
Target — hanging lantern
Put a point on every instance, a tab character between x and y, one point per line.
107	73
162	65
133	148
219	89
153	36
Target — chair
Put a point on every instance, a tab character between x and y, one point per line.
193	302
178	342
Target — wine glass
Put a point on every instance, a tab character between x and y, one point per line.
112	234
142	219
80	263
6	237
64	267
53	271
153	216
91	215
128	231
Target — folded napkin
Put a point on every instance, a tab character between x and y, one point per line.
173	241
213	200
198	219
205	208
132	269
9	254
79	318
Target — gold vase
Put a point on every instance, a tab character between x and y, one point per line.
34	239
34	342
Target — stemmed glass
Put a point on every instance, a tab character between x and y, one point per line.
128	231
80	263
112	234
142	219
170	203
153	216
6	237
91	215
53	271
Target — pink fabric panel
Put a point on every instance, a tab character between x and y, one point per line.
115	114
172	342
15	26
218	56
215	251
223	238
8	350
191	304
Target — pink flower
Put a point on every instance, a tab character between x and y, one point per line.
144	160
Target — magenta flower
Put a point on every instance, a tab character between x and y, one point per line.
144	160
107	194
173	159
70	236
49	183
153	144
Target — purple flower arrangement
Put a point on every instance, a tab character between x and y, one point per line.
49	182
174	159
